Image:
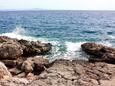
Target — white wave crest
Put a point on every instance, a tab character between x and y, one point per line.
106	43
20	33
72	47
19	30
73	50
112	37
68	50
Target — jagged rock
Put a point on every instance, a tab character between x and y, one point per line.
13	63
76	73
34	64
4	73
40	63
99	52
34	47
28	66
12	48
10	51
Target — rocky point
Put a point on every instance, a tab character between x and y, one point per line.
24	63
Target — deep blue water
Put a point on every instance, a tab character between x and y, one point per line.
66	30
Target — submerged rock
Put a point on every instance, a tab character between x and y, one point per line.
99	52
4	73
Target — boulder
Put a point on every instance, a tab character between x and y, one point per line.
4	73
99	52
28	66
35	64
10	51
34	47
40	63
13	48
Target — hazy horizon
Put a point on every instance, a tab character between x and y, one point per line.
57	4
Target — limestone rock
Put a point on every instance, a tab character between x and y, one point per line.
14	82
4	73
27	66
10	51
99	52
6	39
34	47
76	73
40	63
35	64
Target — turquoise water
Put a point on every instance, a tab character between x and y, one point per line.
66	30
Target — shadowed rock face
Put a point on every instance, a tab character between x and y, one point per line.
12	50
99	52
34	48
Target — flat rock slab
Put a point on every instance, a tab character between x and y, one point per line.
76	73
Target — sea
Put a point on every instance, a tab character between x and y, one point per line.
66	30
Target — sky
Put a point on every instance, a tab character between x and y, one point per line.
58	4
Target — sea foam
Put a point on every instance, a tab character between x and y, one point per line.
65	49
21	33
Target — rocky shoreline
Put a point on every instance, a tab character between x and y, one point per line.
23	63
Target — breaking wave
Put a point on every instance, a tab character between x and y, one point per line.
65	50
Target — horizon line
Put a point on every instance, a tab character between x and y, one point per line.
37	9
